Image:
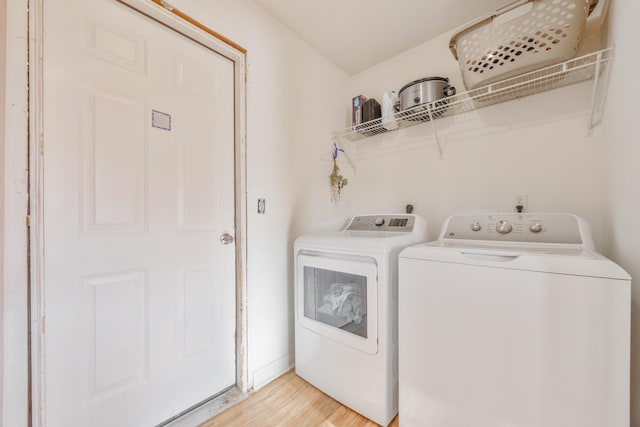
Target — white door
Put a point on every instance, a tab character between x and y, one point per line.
139	291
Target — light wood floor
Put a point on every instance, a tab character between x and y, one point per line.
290	401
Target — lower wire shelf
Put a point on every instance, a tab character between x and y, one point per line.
591	66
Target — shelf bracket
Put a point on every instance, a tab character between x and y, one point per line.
435	129
598	81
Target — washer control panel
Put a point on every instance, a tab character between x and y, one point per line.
529	227
399	223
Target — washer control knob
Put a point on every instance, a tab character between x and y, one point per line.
504	227
535	227
476	226
379	222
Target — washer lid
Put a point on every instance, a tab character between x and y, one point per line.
559	259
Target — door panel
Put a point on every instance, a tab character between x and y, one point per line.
115	45
139	293
117	345
113	202
198	192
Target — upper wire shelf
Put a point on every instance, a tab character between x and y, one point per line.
579	69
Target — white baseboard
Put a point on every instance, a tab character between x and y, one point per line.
271	371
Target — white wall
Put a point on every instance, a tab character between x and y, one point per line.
294	101
14	176
536	146
3	40
622	192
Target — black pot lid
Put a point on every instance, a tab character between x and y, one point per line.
425	79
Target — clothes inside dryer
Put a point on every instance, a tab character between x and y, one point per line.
337	299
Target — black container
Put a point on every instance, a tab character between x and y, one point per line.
371	110
371	118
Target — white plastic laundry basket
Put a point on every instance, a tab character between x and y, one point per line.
520	37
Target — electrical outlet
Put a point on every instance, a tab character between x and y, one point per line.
521	202
262	206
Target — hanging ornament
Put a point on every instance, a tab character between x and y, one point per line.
336	179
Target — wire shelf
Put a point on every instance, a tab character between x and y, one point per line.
563	74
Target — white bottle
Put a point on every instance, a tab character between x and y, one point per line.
389	99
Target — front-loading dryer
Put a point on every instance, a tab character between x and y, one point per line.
513	320
346	310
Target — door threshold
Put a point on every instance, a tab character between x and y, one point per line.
207	409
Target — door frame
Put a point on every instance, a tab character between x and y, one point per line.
165	14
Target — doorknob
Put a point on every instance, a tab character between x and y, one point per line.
226	239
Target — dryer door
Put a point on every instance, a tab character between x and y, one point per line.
338	299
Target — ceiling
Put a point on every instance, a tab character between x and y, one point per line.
356	34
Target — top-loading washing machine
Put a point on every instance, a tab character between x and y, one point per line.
346	310
513	320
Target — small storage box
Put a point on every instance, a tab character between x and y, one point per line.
520	37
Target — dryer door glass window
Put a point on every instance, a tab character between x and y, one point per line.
336	299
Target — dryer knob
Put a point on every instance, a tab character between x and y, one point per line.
476	226
535	227
379	222
504	227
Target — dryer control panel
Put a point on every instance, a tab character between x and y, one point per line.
398	223
511	227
